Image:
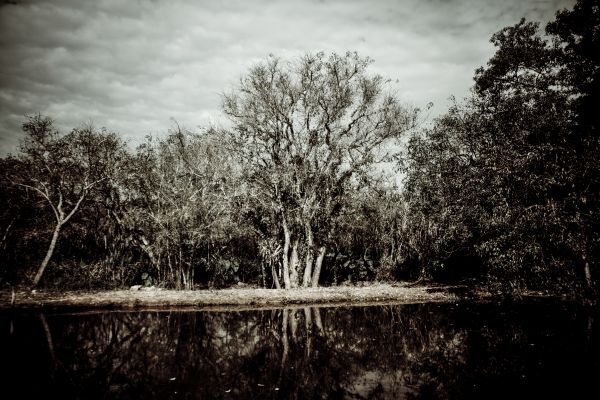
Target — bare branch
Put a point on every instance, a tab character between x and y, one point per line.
44	195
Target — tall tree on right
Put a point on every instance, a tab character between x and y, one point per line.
514	170
577	39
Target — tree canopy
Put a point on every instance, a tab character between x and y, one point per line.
306	133
511	174
302	187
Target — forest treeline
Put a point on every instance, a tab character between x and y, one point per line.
323	176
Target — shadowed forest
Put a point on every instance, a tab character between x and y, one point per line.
323	176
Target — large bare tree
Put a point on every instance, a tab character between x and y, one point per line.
306	132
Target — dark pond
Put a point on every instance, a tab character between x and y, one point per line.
536	350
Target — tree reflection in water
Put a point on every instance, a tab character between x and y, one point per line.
409	351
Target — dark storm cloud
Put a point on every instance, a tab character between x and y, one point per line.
133	65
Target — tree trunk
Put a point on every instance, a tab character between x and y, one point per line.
40	271
317	318
587	272
6	232
309	257
274	274
286	345
318	263
293	323
48	339
309	329
286	254
294	266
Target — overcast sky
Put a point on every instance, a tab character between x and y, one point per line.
134	66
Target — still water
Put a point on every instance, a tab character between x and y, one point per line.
536	350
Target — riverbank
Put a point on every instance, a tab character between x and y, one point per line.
155	298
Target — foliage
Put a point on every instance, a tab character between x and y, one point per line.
502	189
511	175
63	170
179	209
306	134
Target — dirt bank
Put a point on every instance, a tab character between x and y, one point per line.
151	298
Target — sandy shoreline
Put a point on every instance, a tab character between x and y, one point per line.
236	298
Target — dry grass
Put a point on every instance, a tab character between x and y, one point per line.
222	299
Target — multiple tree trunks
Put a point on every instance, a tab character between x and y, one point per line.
296	249
304	132
311	272
291	261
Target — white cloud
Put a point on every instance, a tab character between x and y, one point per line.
132	66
